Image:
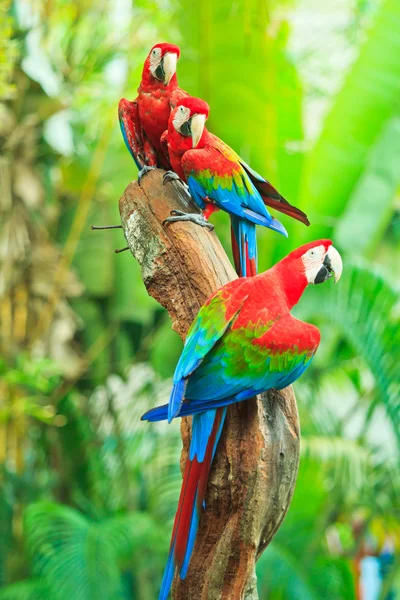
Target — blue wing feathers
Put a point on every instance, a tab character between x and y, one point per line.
139	166
245	203
193	407
176	399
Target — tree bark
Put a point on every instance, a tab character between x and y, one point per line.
255	467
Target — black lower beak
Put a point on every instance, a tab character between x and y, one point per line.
160	73
186	129
325	271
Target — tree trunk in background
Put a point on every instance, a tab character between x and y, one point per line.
254	471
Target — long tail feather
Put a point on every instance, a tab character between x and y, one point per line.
284	207
206	431
273	198
244	247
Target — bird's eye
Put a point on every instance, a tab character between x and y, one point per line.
312	252
154	52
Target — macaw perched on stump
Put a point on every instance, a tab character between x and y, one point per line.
219	179
144	120
243	342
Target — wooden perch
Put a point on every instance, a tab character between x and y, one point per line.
254	472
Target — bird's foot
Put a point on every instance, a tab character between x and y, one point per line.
172	176
178	215
143	171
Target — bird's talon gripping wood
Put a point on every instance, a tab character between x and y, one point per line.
179	216
143	171
171	176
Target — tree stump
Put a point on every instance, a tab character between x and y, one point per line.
255	467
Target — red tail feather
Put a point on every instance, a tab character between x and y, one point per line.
195	479
184	513
251	267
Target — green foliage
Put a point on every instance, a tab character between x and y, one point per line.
380	179
8	51
34	589
363	107
363	309
79	558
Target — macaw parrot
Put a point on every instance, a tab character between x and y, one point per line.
219	179
144	120
243	341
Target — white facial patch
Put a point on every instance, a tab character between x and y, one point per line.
155	58
182	115
313	260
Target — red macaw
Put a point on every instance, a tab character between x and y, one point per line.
243	342
219	179
144	120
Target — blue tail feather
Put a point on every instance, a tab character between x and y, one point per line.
184	535
168	576
245	240
194	525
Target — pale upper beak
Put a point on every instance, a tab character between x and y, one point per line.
336	263
197	128
170	60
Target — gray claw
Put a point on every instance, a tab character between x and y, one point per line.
143	171
172	176
178	215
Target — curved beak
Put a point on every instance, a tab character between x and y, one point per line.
332	266
336	263
169	64
197	128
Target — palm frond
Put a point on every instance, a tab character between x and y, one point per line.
362	308
70	554
282	576
29	589
349	462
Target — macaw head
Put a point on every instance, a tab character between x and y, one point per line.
189	118
312	263
160	65
318	261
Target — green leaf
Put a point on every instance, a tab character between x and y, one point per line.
370	206
165	350
74	556
282	576
237	60
362	308
368	99
349	460
131	302
29	589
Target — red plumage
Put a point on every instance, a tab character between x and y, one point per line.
146	118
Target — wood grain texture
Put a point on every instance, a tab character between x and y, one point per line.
255	468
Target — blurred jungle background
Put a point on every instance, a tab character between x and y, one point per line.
309	93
